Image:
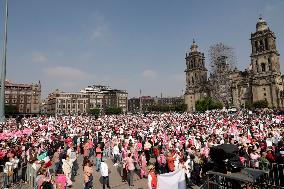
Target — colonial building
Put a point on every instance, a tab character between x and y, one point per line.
262	81
196	77
142	103
97	96
61	103
24	97
103	97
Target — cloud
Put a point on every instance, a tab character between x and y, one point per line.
150	74
67	73
39	57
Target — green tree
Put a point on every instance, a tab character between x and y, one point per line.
207	104
201	105
95	111
167	108
113	110
248	105
10	109
260	104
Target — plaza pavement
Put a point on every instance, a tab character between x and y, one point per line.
114	178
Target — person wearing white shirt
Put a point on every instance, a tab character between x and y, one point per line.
8	170
115	154
104	173
15	162
67	165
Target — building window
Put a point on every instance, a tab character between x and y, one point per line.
266	44
264	94
269	63
264	89
263	67
256	46
261	46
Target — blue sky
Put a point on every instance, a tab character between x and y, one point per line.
126	44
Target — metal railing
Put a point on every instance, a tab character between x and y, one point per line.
274	172
273	178
25	173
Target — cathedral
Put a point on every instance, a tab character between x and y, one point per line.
261	81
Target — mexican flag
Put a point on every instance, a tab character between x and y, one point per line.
42	156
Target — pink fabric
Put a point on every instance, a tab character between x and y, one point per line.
130	163
61	180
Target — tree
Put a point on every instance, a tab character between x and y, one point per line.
201	105
207	104
248	105
222	64
113	110
95	111
10	109
260	104
167	108
180	107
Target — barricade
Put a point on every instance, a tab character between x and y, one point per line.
274	173
273	178
8	178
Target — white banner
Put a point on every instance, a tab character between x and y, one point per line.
173	180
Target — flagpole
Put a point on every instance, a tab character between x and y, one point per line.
3	67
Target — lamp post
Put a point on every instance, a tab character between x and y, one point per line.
3	67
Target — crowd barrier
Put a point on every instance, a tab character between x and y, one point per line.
273	178
274	172
25	173
274	175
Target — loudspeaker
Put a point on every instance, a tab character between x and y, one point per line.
226	158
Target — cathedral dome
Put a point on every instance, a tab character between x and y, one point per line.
261	25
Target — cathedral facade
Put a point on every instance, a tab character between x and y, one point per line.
261	81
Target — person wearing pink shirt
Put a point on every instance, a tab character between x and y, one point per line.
254	156
60	180
130	168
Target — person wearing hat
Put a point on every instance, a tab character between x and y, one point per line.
270	156
104	173
152	177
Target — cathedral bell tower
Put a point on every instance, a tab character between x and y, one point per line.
196	76
265	63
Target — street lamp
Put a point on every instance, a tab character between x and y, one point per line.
3	68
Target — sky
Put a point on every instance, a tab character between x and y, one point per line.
126	44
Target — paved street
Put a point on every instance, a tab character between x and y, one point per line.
115	179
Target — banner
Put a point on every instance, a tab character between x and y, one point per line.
173	180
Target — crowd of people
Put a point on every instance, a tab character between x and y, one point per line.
146	145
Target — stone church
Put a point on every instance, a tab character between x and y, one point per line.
261	81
